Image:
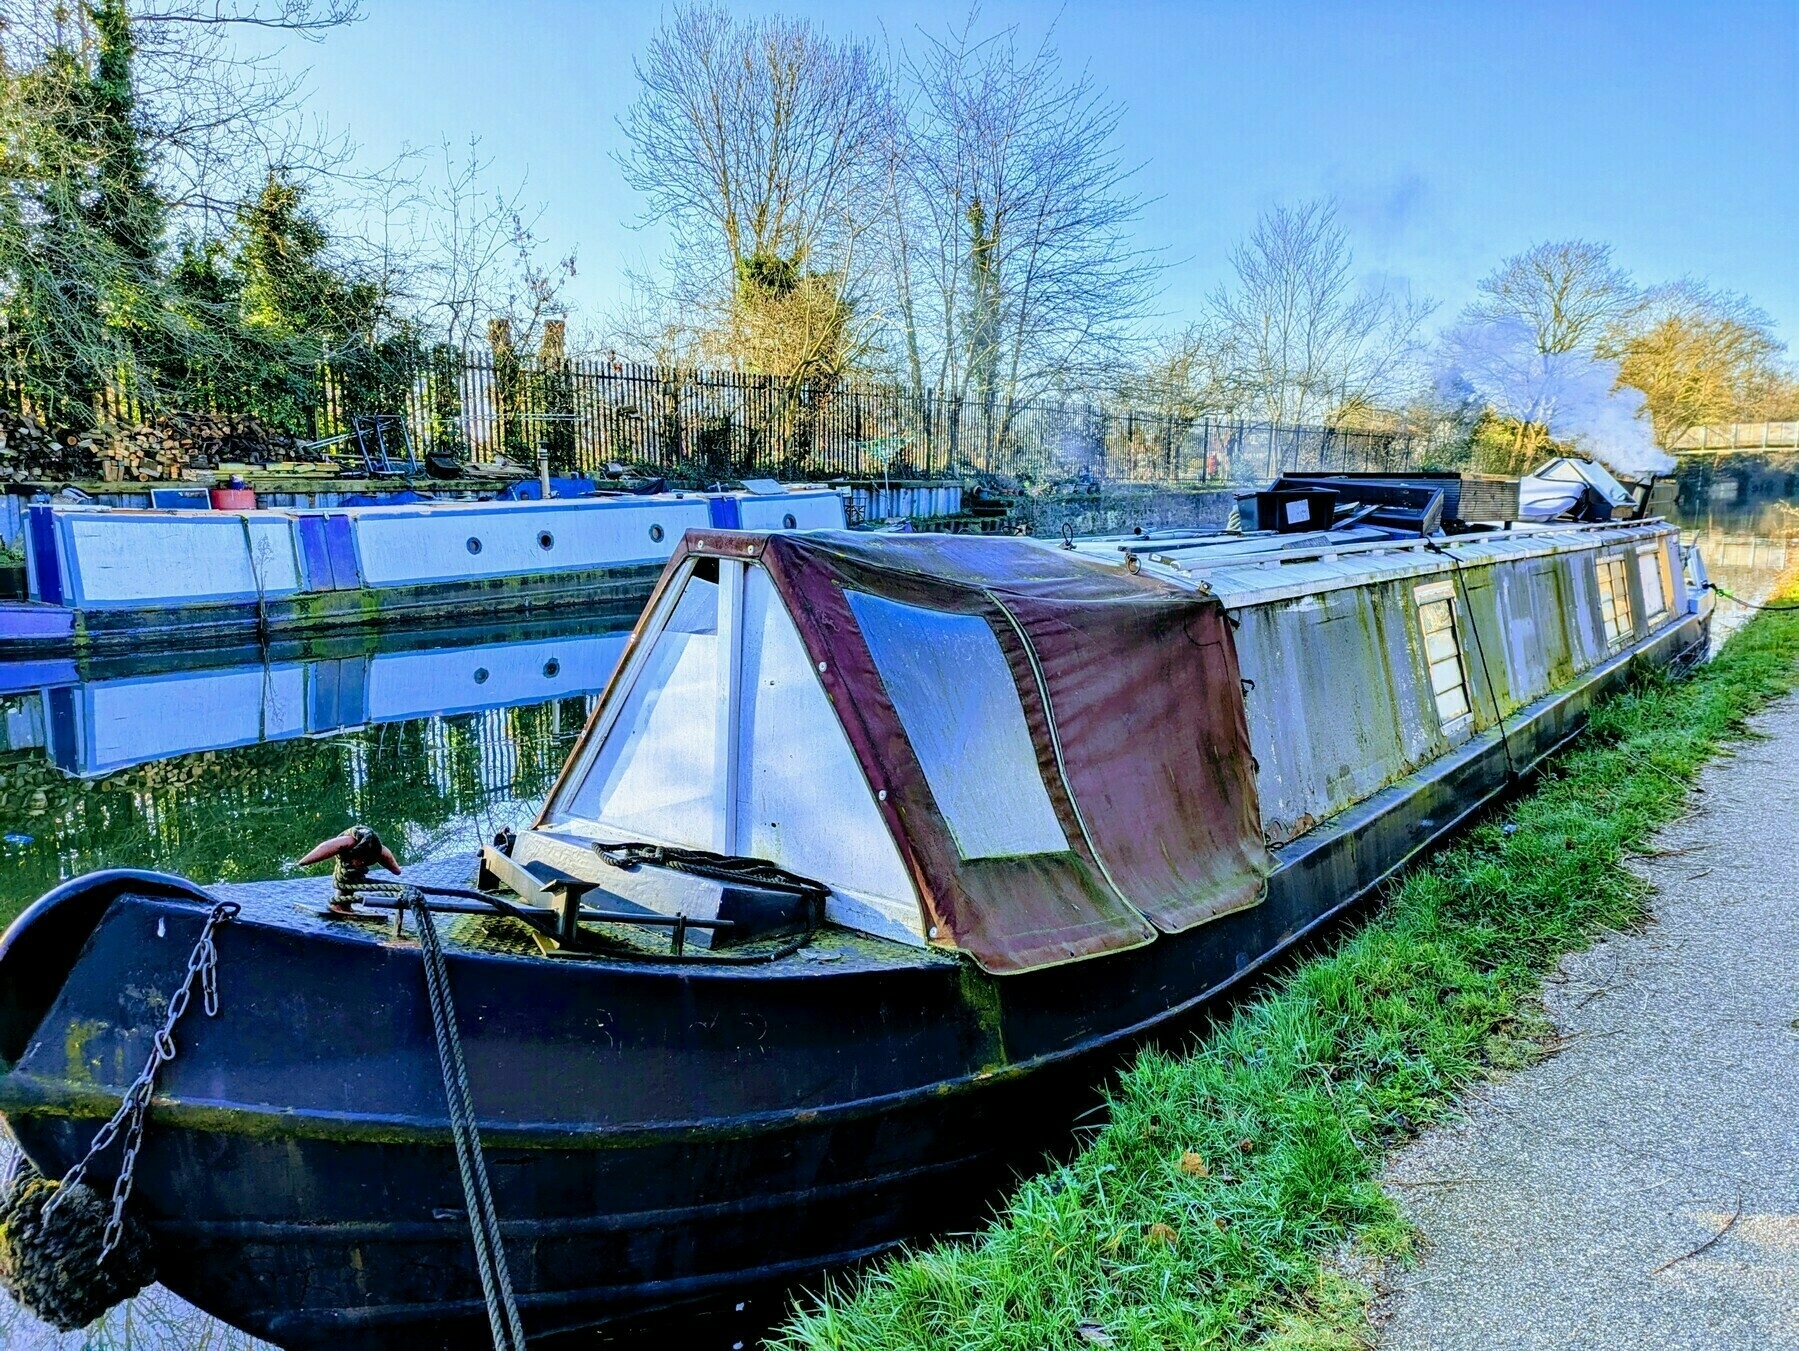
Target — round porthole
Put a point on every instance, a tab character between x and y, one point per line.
474	545
545	540
656	533
480	675
788	522
551	669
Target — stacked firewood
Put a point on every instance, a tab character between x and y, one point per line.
177	442
28	450
166	448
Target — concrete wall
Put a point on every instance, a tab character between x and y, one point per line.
1116	510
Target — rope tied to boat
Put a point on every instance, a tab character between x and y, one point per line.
49	1260
471	1162
1746	604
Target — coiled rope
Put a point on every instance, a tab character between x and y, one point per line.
484	1222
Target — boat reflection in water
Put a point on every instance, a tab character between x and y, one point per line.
229	772
121	717
442	738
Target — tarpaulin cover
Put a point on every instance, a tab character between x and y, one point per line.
1131	694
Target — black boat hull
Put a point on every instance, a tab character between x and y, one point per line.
656	1135
315	1254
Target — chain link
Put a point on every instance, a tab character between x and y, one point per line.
134	1108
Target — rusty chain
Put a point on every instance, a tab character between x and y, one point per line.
134	1108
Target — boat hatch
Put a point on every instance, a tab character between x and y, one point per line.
980	743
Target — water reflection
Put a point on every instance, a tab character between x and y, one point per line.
228	772
1744	514
155	1321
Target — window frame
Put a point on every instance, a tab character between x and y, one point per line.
995	746
1425	598
1664	582
1617	614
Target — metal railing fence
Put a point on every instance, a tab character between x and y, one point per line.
713	424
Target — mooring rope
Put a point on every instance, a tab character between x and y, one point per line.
262	599
484	1222
1748	604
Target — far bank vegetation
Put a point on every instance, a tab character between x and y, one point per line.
952	211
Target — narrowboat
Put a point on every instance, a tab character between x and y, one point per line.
874	851
123	579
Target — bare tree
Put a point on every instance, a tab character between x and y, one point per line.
218	114
1568	293
1300	340
481	258
1011	265
1699	355
757	141
1179	376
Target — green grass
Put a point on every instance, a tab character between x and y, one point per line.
1206	1210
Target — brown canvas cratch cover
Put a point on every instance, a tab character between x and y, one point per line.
1130	691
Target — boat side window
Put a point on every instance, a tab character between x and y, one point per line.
949	683
1651	567
1443	651
1614	598
654	776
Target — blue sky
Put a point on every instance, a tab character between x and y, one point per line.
1451	134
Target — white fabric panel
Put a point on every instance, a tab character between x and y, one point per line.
653	778
953	691
802	800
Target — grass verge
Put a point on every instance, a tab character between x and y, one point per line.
1202	1213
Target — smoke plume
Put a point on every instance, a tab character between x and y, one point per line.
1576	396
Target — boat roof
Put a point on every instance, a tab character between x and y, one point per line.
1567	469
1266	568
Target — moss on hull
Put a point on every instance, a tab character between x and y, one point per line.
613	595
1201	1213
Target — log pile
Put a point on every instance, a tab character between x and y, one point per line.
166	448
28	450
173	444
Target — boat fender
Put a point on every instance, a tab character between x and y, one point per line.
50	1257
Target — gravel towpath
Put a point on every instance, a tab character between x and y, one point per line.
1640	1188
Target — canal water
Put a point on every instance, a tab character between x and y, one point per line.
1744	513
228	771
